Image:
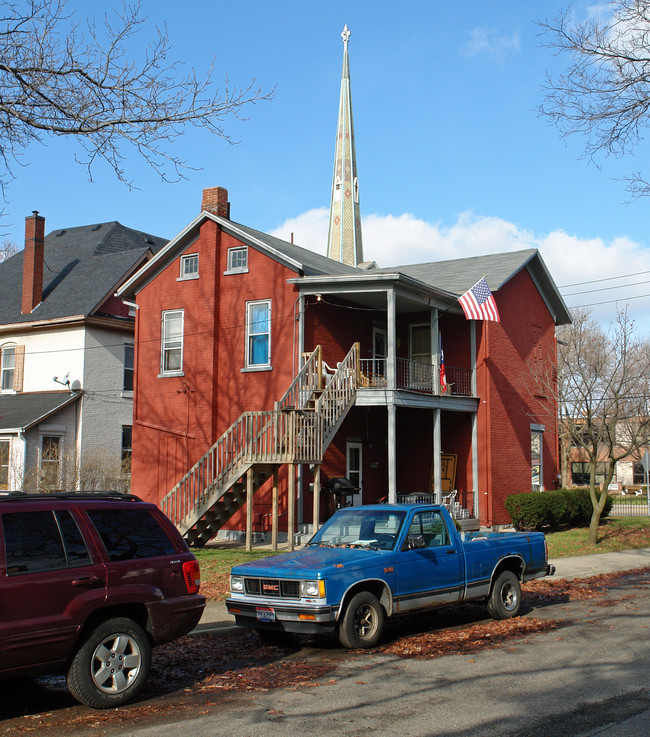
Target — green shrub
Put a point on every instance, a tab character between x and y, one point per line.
552	509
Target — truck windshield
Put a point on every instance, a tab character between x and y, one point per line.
360	528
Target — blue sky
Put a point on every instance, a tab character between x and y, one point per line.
453	159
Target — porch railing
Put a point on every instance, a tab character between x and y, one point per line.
414	376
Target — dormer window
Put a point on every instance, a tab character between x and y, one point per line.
237	260
189	267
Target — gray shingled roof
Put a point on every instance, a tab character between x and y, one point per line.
83	266
459	275
313	263
21	411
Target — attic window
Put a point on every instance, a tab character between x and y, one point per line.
189	267
237	260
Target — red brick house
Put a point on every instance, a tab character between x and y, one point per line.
263	369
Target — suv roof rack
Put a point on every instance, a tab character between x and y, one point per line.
99	495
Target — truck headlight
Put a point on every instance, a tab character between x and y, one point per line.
312	589
237	584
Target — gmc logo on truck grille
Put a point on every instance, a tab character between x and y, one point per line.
272	587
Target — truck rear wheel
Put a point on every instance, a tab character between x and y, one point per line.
505	598
362	623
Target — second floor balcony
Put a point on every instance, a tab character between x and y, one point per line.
416	376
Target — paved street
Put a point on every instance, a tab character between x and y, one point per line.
591	677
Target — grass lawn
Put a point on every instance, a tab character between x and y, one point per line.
621	533
216	564
615	533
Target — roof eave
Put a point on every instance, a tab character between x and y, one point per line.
167	254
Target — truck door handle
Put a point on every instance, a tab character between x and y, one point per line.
451	552
87	581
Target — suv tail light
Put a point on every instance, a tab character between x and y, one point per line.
192	574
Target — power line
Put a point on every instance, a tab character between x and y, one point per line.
610	301
605	289
609	278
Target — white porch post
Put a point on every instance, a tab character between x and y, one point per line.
249	509
435	350
392	453
475	481
391	361
391	358
437	450
316	512
472	354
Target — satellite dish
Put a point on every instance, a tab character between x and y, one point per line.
75	386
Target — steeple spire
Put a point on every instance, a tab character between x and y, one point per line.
344	238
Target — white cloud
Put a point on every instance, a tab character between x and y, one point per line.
490	42
392	240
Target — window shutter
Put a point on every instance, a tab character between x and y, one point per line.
19	368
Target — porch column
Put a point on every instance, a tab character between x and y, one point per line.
437	450
391	358
275	509
291	503
435	350
472	354
475	480
316	512
249	509
392	453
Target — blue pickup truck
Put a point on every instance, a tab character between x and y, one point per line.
372	562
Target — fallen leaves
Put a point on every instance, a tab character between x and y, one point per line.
469	639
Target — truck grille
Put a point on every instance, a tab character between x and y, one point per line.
272	587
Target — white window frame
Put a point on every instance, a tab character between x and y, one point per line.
234	268
61	438
126	368
6	370
250	333
185	259
8	443
165	342
354	471
537	432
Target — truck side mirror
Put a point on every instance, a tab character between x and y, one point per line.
415	541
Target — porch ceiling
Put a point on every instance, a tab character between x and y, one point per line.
410	296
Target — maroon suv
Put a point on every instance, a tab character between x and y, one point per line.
89	583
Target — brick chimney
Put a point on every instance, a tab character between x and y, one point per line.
215	200
33	262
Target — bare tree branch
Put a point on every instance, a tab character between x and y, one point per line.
59	79
602	380
7	250
604	93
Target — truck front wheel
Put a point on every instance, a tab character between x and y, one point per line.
362	623
505	599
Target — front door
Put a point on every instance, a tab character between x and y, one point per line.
354	469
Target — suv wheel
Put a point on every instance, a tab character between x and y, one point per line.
111	665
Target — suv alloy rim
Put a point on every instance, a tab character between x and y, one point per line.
116	663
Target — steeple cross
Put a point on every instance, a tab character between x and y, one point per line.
346	34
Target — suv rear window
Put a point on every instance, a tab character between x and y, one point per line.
42	541
130	533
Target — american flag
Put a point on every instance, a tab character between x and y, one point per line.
443	372
478	303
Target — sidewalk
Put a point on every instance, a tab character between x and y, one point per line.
216	619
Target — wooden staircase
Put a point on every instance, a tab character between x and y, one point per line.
298	430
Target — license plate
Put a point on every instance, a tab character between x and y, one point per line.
265	614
